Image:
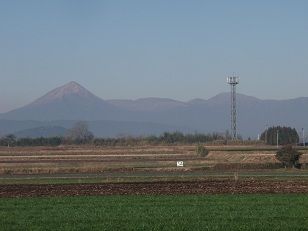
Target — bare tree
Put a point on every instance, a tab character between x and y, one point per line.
10	140
80	133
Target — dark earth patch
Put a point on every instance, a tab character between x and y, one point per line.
157	188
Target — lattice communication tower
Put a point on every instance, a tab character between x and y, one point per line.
233	81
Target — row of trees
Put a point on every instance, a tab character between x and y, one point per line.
286	135
11	140
80	134
166	138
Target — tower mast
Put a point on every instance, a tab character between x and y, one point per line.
233	81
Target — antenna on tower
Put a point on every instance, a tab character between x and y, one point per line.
233	81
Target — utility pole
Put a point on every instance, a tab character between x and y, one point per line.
277	139
265	138
303	134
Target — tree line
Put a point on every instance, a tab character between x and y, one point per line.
165	138
286	135
80	134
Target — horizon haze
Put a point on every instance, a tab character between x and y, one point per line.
177	49
61	107
75	87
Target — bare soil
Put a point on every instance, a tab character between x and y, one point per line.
157	188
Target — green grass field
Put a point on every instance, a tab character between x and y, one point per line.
209	212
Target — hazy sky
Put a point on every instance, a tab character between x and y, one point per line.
133	49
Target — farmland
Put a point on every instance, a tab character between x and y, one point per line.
79	164
141	188
189	212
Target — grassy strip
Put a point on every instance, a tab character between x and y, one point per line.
150	177
214	212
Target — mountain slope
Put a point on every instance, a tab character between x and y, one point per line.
147	104
71	101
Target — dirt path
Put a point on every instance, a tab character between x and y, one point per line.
156	188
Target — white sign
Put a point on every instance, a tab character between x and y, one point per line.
180	163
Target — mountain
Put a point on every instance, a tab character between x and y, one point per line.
68	102
72	102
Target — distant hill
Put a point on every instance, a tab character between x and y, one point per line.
72	102
41	132
99	128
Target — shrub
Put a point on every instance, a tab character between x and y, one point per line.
288	156
201	150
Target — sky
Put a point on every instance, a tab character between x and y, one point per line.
134	49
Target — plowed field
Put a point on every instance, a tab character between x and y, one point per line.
156	188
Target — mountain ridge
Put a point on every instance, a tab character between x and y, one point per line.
72	102
74	88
